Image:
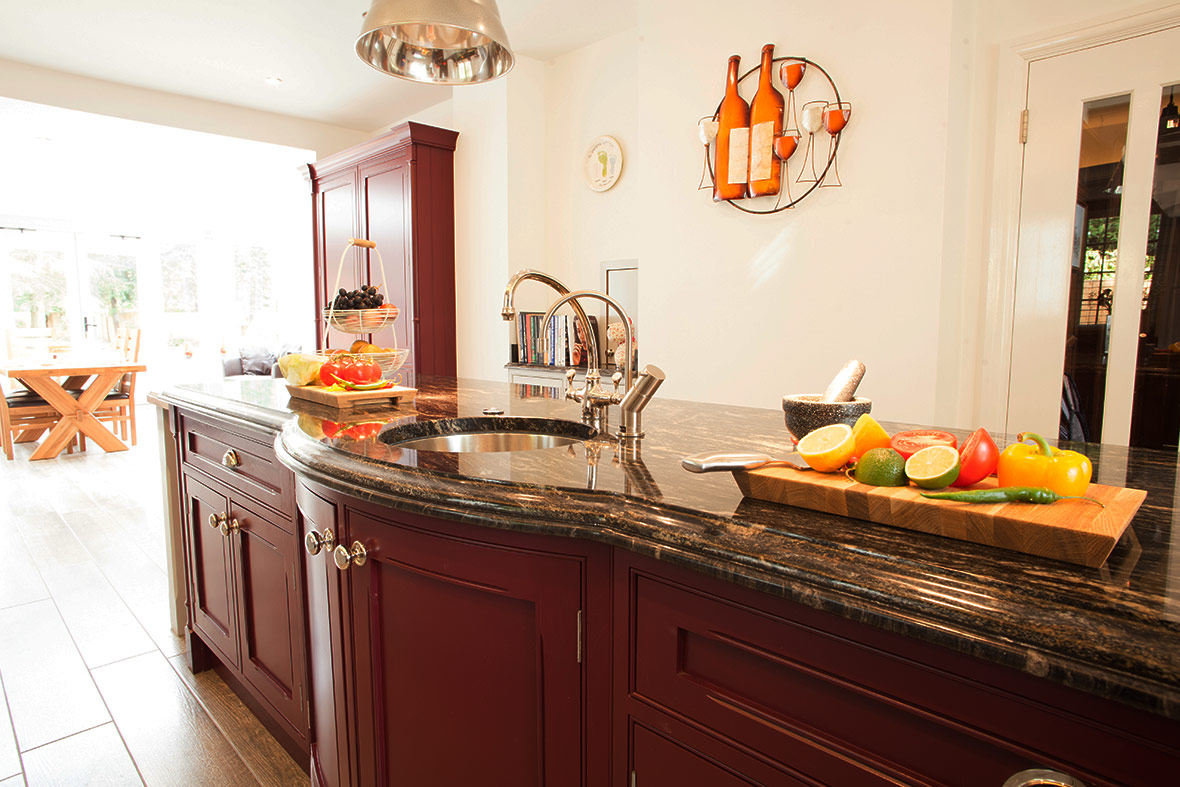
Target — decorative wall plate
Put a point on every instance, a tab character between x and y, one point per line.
604	163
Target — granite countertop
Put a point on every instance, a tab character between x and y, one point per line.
1113	631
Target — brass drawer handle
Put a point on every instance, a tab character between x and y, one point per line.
230	459
314	543
344	558
230	526
216	520
1038	776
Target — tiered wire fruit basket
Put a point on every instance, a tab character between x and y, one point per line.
362	321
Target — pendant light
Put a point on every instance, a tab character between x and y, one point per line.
442	42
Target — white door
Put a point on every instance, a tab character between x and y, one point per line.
1094	208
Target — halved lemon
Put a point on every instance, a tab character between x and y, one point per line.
933	467
828	448
868	434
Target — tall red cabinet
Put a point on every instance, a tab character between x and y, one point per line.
397	190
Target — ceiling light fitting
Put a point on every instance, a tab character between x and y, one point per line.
441	42
273	80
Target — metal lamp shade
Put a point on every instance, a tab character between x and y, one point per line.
443	42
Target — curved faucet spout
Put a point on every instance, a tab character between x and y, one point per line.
572	299
508	312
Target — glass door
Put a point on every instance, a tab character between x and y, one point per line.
66	292
1090	350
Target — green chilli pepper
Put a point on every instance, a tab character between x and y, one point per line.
1008	494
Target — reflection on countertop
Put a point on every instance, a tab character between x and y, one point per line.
1112	631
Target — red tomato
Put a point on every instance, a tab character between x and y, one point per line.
329	371
356	371
909	443
332	428
978	458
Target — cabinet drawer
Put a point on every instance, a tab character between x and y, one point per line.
245	461
801	697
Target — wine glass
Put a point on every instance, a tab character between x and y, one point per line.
785	146
790	73
707	131
813	121
836	117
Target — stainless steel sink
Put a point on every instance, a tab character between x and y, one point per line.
487	435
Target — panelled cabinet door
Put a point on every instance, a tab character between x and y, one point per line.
385	189
325	628
659	761
211	588
268	611
467	660
335	223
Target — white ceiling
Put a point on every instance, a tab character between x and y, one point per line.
221	50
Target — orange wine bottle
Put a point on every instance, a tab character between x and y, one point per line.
766	123
733	140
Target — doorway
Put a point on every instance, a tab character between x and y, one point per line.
1095	351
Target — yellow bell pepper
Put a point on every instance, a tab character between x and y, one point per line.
1065	472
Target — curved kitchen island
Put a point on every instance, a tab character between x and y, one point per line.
590	615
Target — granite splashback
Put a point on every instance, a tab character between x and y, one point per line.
1112	631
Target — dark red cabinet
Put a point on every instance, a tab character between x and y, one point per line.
398	191
210	570
771	692
243	578
459	654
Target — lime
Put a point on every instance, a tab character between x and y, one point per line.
828	448
880	467
933	467
868	434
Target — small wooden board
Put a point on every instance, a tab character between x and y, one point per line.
347	400
1071	530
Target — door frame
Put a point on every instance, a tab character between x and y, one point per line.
1015	58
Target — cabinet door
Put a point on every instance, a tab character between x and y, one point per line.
335	223
270	613
325	621
385	218
211	596
467	660
659	761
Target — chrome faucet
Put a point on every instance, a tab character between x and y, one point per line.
595	399
509	311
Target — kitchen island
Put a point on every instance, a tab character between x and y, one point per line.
713	634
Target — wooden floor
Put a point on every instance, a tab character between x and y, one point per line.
93	685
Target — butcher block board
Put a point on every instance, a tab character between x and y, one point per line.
1071	530
347	400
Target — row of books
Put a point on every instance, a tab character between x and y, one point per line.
566	344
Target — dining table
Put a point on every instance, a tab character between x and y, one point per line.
81	389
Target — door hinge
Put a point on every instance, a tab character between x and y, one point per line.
579	636
1023	126
632	778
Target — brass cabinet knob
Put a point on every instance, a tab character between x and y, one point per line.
230	526
344	558
314	543
230	459
216	520
1038	776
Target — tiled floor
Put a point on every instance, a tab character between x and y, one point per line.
93	685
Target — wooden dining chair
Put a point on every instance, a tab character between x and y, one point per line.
21	414
119	406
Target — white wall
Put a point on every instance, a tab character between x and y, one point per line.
56	88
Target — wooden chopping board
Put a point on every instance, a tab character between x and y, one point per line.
1069	530
346	400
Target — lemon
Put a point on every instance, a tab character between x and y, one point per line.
868	434
933	467
828	448
880	467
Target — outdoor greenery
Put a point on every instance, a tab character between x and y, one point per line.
113	282
178	272
38	284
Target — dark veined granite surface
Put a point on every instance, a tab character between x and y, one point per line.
1112	631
